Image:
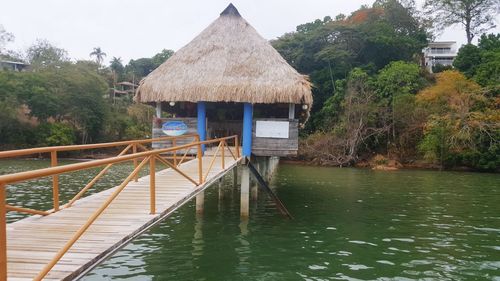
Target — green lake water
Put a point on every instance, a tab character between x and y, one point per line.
350	224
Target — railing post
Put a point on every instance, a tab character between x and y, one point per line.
222	153
174	144
152	185
237	146
134	151
3	234
55	181
200	161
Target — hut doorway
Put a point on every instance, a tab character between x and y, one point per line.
224	119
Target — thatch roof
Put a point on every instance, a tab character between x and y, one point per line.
229	61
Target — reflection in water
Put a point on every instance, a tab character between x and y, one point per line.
198	237
221	191
243	250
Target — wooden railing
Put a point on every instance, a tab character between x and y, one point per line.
53	151
147	156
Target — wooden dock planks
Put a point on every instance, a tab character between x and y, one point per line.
32	242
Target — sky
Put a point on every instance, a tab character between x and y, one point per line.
132	29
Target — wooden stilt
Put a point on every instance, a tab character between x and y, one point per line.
221	189
244	192
200	202
235	177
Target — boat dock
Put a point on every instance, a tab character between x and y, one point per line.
66	243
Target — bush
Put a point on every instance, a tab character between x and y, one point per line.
440	68
380	160
52	134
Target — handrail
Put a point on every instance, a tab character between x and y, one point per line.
27	175
175	163
147	156
35	150
25	210
53	159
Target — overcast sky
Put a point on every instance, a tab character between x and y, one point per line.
133	29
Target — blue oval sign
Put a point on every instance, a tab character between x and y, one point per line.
174	128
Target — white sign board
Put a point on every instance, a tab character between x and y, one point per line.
272	129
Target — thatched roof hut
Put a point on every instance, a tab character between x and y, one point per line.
227	62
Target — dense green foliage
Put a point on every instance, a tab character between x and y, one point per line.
58	102
141	67
462	127
368	87
481	62
71	94
327	50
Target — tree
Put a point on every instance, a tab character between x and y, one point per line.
140	68
488	71
82	85
51	134
477	16
398	77
393	83
481	63
71	93
468	58
98	54
117	68
161	57
5	37
370	38
358	123
43	54
463	121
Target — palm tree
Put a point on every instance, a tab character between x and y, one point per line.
116	64
98	54
116	67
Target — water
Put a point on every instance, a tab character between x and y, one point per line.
350	224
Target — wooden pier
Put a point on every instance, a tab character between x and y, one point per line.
64	244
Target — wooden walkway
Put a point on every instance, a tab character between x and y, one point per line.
33	242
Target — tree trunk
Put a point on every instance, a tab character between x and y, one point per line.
468	19
469	34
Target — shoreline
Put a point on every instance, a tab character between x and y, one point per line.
421	167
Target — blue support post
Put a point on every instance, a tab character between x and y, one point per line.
247	129
202	122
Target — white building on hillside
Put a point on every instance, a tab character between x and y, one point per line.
12	65
442	53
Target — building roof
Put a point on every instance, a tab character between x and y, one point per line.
126	83
442	43
14	62
227	62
